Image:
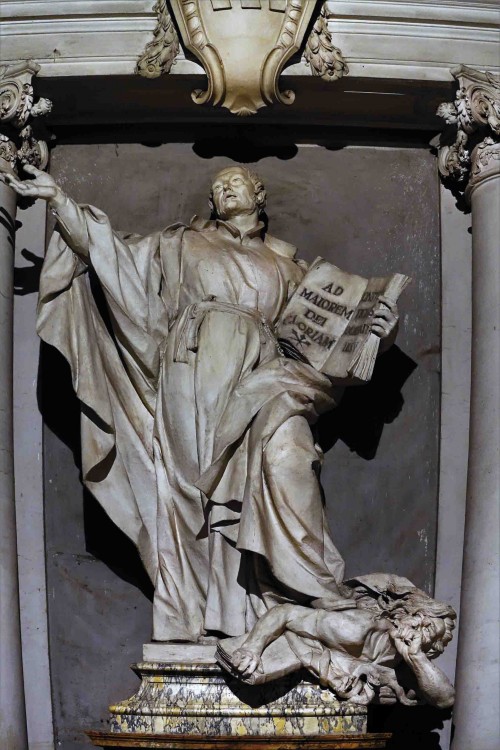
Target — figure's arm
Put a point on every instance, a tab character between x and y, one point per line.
247	659
433	685
69	215
385	323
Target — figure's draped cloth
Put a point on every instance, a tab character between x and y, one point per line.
178	405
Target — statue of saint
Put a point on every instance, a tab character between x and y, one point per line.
196	429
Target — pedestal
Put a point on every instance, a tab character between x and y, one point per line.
186	700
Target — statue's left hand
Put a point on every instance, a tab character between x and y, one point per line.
385	318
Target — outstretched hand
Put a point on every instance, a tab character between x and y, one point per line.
42	186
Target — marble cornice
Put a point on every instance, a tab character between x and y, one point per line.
416	40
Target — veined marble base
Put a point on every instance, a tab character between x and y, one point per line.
191	695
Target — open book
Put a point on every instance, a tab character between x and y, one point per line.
327	322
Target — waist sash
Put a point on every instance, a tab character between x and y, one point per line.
192	317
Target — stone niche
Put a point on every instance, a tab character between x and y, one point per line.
369	209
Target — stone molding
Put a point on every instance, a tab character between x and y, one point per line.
324	59
469	149
415	40
243	69
18	144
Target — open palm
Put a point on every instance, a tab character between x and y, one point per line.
42	186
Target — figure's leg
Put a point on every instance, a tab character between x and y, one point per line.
300	552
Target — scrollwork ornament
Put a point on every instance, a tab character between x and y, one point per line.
32	151
19	144
475	114
454	160
8	151
16	101
243	47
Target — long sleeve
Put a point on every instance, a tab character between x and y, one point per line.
114	371
73	226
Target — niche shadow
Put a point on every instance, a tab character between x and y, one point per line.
60	410
363	411
412	727
245	149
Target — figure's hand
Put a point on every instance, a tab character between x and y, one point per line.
42	186
385	318
246	662
408	642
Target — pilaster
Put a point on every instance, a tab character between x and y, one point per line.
471	164
18	146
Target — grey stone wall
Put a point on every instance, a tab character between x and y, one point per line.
370	210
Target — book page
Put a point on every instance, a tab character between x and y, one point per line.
357	333
320	310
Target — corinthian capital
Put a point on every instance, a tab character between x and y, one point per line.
18	144
469	147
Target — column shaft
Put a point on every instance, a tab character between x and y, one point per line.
12	710
476	711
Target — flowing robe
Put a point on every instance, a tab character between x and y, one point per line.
195	431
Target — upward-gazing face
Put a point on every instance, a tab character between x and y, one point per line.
233	193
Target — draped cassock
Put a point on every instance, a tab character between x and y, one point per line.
196	432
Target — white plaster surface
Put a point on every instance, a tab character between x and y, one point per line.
29	491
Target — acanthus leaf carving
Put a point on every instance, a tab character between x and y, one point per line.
475	115
485	162
324	59
243	46
18	144
160	53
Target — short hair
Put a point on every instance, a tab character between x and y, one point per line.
260	191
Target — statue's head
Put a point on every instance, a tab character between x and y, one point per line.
236	190
433	620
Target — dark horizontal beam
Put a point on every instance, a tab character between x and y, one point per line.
121	103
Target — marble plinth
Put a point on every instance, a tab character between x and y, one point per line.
191	695
177	742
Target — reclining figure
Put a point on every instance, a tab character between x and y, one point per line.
356	649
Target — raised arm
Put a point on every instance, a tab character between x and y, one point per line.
433	685
69	215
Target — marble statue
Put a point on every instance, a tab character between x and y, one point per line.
354	652
196	433
197	441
